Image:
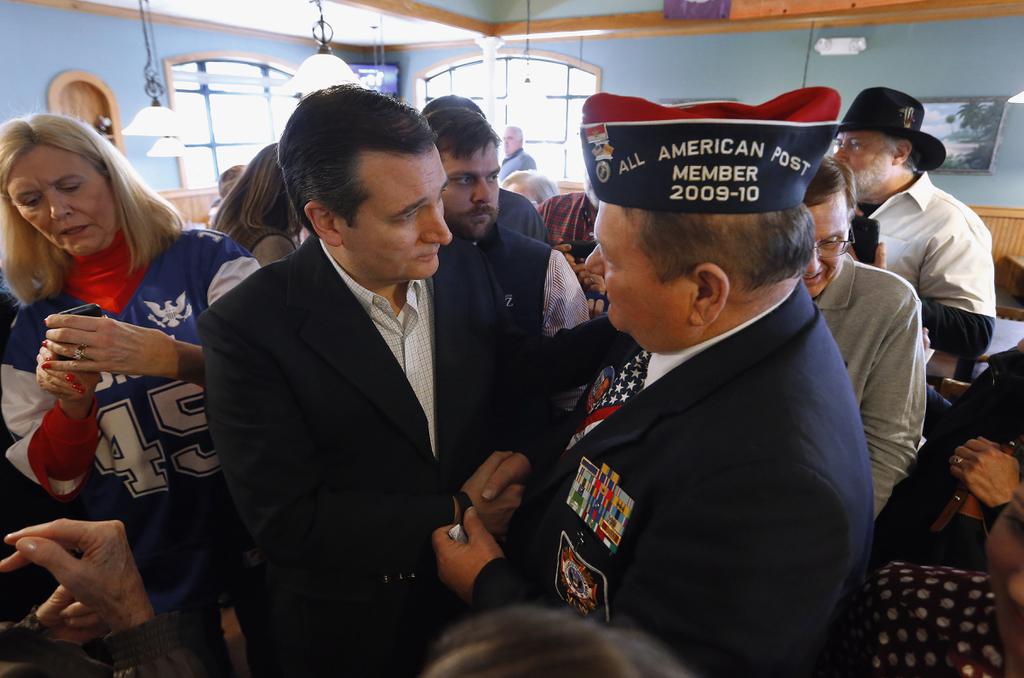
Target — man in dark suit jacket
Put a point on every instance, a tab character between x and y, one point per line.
713	488
350	390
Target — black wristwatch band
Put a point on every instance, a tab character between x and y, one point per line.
464	503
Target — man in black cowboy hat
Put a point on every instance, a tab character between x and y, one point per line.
713	486
931	239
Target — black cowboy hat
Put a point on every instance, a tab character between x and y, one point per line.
899	115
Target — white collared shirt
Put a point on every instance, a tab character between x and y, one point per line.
663	363
940	246
409	335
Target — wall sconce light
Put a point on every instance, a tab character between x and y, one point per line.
840	46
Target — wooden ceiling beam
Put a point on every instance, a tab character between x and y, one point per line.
133	14
654	23
610	26
410	9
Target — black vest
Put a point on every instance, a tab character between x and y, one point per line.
521	266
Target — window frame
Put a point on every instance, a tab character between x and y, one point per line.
448	65
250	58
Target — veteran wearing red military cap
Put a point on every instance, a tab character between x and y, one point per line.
713	488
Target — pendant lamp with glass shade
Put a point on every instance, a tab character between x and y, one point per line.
154	120
527	97
323	69
167	147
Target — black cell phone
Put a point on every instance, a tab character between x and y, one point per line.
581	249
92	310
865	238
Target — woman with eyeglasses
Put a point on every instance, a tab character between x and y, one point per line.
875	318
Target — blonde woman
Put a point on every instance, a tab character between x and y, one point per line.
111	409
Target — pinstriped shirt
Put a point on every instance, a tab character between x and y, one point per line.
409	335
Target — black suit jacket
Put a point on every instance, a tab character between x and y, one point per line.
325	447
753	503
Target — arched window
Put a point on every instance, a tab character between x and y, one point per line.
548	110
231	107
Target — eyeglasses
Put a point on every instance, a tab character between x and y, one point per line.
830	249
851	144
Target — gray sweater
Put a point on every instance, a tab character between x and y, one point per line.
875	317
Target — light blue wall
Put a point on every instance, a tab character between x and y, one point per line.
962	58
515	10
965	58
37	43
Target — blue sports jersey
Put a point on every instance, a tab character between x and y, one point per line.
155	468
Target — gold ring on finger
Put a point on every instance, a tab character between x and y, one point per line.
80	352
956	459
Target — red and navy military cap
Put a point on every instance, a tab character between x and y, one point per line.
716	157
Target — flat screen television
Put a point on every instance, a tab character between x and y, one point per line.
383	78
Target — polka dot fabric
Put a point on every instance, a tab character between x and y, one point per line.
916	621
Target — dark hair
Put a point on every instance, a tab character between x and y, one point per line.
322	142
833	176
451	101
460	132
755	250
228	178
523	642
257	204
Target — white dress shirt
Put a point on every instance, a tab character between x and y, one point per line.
663	363
940	246
409	335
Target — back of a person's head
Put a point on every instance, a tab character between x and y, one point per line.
228	178
524	642
755	250
833	177
325	135
461	133
532	184
451	101
257	201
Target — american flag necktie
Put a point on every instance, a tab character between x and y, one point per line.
610	391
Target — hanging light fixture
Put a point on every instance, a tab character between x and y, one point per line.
166	147
529	96
154	120
323	69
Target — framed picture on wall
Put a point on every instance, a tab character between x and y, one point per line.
970	128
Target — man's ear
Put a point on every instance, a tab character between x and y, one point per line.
711	293
327	225
903	150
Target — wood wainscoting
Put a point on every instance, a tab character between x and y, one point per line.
193	203
1007	227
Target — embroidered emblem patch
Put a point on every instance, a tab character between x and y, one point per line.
603	151
596	497
579	583
601	385
598	134
908	115
171	313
